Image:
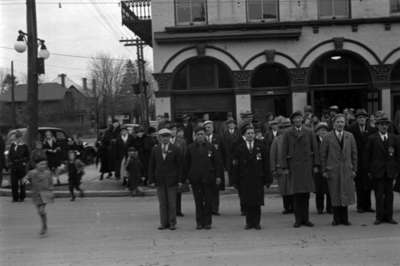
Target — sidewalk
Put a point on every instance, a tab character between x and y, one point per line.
93	187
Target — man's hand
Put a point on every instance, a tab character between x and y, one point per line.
180	185
325	174
218	181
285	171
316	170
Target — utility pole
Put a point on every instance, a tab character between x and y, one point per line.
142	83
96	106
13	112
32	97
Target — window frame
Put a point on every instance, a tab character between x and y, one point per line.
390	7
333	16
191	23
262	19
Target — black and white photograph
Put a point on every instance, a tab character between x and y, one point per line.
200	132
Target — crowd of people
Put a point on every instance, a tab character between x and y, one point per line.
342	157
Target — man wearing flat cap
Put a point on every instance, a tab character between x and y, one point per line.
273	132
301	159
339	167
203	168
18	159
382	162
215	140
165	171
361	130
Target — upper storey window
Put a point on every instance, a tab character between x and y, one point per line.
394	6
332	9
262	10
190	12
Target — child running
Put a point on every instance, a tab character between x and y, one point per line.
75	171
42	189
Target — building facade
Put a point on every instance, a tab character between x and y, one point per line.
232	56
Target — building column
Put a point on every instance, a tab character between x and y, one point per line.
299	88
242	92
386	101
163	97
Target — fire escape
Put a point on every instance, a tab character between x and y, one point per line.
136	15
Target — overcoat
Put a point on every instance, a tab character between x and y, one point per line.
340	164
219	148
252	172
276	162
300	153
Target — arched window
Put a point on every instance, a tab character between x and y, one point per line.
203	73
270	75
339	68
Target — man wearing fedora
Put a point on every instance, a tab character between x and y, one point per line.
301	159
276	164
382	162
361	130
18	159
165	171
339	167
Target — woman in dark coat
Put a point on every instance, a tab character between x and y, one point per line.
109	149
252	173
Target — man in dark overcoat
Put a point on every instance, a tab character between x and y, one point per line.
252	173
165	171
361	130
216	141
230	136
18	156
144	144
382	161
301	160
187	128
203	168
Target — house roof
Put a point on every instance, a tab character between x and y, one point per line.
47	92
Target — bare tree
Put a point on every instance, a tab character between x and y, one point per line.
107	72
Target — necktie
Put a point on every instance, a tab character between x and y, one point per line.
250	146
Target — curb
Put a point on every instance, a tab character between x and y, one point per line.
124	193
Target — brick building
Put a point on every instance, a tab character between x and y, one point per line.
221	56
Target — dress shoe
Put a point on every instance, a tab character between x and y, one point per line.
172	228
346	223
257	227
391	221
73	198
370	210
309	224
334	223
247	227
285	212
242	214
377	222
320	211
216	213
199	227
296	225
360	210
161	227
207	227
43	232
81	194
179	214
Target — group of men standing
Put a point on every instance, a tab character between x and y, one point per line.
336	161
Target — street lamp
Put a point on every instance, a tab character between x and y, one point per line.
29	41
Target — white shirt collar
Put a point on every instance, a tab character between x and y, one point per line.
383	135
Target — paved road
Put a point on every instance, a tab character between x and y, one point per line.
122	231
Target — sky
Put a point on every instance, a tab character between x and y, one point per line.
77	29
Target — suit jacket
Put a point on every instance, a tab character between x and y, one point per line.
202	163
218	144
18	157
229	141
382	159
166	171
361	139
269	137
252	173
122	147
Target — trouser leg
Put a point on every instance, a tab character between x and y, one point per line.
215	199
319	201
379	199
178	202
14	185
388	200
328	203
163	206
198	196
297	204
21	186
359	193
208	199
336	214
172	205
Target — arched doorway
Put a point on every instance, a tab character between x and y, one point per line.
270	91
203	86
395	89
342	79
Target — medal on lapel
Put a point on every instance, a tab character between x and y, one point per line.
391	151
